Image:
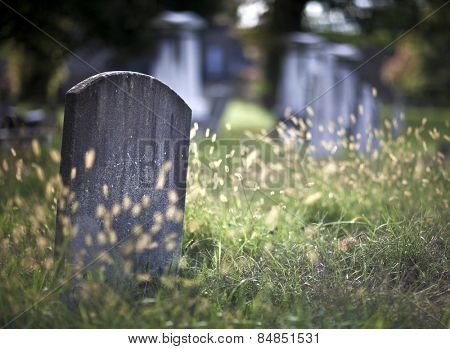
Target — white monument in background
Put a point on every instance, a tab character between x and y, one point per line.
300	71
178	61
345	94
318	74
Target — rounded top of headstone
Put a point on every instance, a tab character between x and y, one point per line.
181	20
116	79
305	38
344	51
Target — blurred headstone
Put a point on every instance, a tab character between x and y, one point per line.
367	121
345	94
124	164
398	120
300	72
318	85
178	59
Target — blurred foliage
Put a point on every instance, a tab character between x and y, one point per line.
417	67
435	36
403	69
282	17
420	57
124	25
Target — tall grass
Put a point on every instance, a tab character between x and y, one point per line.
350	241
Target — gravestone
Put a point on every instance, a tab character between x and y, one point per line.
124	164
301	72
178	58
321	75
367	121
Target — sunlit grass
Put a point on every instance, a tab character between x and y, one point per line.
353	241
242	115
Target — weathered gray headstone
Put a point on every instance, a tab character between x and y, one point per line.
124	164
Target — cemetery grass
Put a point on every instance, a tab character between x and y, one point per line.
350	243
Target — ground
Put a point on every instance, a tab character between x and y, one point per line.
357	241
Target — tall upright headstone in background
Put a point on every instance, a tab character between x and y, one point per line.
124	164
178	60
342	101
345	93
319	76
301	70
367	120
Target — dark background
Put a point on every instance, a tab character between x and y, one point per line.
31	64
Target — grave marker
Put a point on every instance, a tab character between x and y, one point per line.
124	164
